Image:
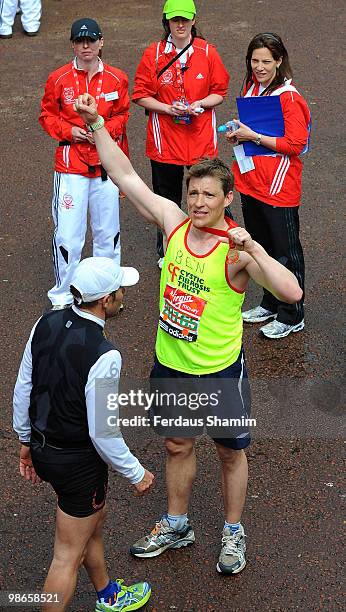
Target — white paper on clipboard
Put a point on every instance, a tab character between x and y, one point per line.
245	163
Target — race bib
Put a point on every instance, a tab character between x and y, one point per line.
181	314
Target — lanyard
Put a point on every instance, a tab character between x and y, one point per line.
99	85
180	79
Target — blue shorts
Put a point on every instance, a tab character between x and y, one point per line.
178	409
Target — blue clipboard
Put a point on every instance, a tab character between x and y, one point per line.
262	114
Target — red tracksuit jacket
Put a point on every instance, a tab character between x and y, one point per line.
58	116
277	179
167	141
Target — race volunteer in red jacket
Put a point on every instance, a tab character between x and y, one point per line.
79	181
180	98
271	185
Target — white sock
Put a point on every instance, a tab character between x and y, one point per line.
233	526
177	522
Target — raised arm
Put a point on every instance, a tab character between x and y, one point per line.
154	208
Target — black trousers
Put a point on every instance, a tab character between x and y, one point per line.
276	228
167	180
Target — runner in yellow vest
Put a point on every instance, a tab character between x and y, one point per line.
198	307
208	263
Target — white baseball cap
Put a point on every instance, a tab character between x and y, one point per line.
96	277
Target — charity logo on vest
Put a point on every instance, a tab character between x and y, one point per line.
187	280
181	314
191	282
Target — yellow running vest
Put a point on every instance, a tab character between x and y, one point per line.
200	326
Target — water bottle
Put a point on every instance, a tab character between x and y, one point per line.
230	126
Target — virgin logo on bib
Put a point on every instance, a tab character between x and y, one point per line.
181	314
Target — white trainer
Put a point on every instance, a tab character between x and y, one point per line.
257	315
276	329
160	262
232	556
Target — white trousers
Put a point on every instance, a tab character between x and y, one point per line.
73	195
31	15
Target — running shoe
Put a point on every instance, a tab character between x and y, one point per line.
232	556
276	329
161	538
160	262
257	315
128	598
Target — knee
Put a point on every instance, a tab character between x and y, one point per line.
68	560
71	237
230	456
179	447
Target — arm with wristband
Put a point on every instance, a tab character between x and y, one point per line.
156	209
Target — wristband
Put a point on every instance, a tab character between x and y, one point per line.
98	125
25	443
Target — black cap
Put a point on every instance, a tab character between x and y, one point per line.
85	28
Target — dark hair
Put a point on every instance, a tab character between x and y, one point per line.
278	50
215	168
166	30
77	296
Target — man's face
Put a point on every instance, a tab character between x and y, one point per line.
206	201
114	302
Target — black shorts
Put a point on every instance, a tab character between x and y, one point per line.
225	414
78	477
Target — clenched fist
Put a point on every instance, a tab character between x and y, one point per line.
142	487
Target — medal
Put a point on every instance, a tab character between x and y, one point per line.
232	256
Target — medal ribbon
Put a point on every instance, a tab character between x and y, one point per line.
232	255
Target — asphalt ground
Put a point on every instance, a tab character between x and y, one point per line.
293	515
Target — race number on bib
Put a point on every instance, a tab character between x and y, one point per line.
181	314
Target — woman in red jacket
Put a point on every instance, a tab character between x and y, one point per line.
180	95
270	185
79	181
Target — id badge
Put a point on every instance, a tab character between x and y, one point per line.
112	95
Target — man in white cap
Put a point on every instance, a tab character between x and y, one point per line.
67	366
